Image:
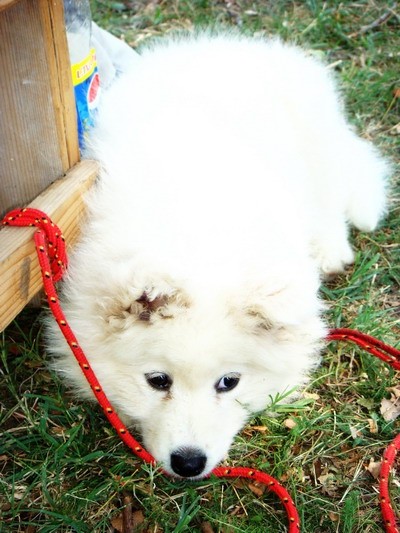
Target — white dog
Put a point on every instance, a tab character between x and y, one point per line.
229	178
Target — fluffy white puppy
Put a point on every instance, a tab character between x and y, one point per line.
229	177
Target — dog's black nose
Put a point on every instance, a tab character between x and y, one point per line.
188	462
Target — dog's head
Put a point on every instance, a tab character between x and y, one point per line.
190	369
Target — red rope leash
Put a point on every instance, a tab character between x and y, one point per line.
50	247
389	355
383	351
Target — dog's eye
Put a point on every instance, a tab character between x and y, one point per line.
227	382
159	381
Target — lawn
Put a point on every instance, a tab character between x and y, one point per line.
62	468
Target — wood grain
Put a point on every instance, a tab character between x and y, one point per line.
63	202
38	137
61	87
5	4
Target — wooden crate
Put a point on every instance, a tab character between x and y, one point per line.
39	153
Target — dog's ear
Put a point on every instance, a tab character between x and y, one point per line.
254	318
152	305
272	309
143	306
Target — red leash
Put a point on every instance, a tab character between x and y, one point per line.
50	247
389	355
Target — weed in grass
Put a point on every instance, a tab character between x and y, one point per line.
62	469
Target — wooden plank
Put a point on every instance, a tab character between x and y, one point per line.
4	4
38	137
20	277
62	91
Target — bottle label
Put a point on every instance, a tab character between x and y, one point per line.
85	79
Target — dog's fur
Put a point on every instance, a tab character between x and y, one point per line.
229	178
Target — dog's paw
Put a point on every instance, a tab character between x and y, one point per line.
333	258
365	219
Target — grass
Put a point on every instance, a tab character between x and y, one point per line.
62	469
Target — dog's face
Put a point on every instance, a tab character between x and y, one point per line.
191	392
190	371
193	399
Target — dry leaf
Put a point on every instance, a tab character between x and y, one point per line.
311	395
19	492
328	484
395	391
290	423
250	430
117	523
260	429
390	409
58	431
257	488
354	432
137	518
395	130
374	468
373	426
333	516
206	528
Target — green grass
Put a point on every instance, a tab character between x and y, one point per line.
62	469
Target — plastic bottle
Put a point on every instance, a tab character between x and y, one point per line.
85	77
